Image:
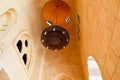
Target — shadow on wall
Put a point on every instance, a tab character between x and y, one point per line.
93	69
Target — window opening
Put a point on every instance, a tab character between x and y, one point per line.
26	43
78	27
19	45
93	69
24	58
78	17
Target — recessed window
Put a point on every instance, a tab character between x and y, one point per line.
93	69
26	43
24	58
78	35
78	26
19	45
78	18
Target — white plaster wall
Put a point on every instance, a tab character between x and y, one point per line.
24	21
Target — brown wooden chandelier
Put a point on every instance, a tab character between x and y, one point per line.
55	38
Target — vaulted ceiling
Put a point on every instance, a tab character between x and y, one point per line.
65	61
98	37
94	30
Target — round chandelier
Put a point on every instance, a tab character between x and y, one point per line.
55	38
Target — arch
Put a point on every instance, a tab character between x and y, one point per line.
57	12
63	76
8	19
94	72
23	45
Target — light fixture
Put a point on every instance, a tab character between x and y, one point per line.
56	37
49	23
68	19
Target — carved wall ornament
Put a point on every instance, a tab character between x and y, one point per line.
23	45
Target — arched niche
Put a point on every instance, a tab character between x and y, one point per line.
94	72
56	12
7	20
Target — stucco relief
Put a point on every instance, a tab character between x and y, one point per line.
7	20
56	73
63	76
23	46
